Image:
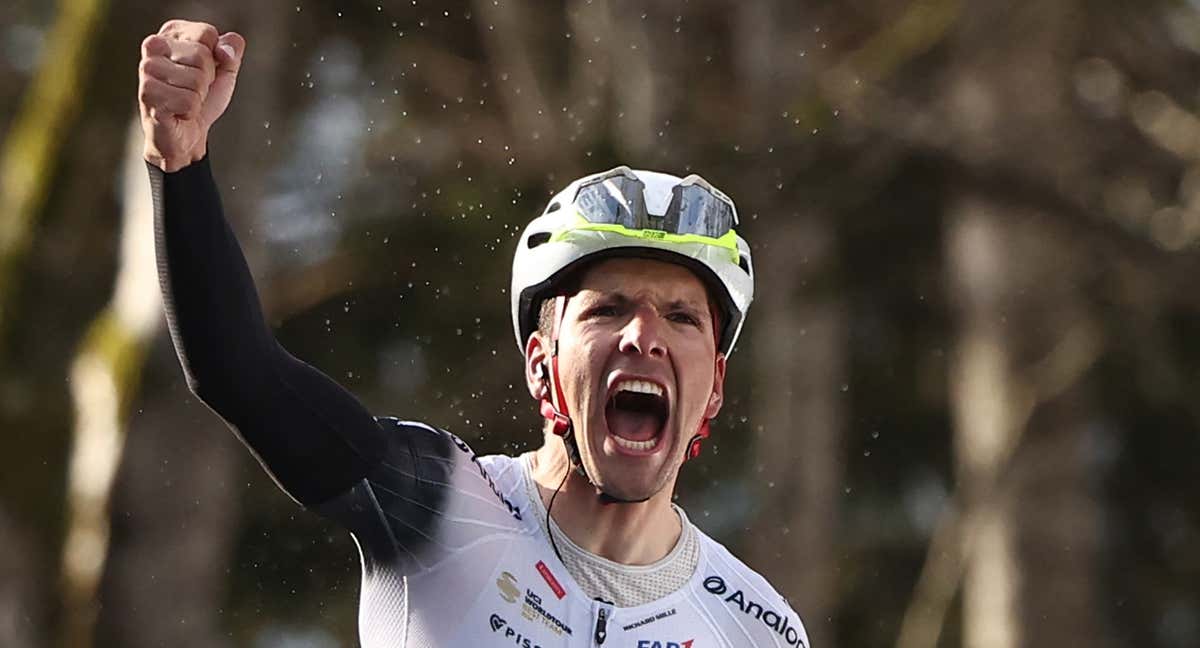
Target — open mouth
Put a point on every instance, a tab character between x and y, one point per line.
637	413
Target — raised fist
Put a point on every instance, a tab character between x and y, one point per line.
185	81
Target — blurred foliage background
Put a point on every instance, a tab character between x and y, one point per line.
965	407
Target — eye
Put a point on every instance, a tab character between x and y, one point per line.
603	310
684	317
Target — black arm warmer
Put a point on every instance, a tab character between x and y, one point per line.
313	436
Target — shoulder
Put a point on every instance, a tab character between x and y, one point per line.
417	439
423	435
417	434
495	477
748	601
505	471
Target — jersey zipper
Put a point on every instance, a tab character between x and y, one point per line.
603	613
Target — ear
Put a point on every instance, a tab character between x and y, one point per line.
536	358
717	397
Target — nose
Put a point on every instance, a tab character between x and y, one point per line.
642	334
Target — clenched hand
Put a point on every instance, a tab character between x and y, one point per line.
185	81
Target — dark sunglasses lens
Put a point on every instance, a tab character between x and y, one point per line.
695	210
613	201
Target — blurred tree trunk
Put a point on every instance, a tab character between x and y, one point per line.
105	377
505	33
175	510
1027	517
979	262
1060	530
34	154
29	156
20	619
800	365
175	515
1023	336
800	357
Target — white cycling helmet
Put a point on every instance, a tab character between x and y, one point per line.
627	213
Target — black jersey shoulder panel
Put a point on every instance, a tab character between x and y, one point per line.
395	510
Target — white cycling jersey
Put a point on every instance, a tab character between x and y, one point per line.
452	556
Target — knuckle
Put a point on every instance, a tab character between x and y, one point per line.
150	94
155	45
183	56
195	54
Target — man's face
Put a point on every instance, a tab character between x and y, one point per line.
639	371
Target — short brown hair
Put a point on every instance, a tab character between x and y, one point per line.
567	285
545	320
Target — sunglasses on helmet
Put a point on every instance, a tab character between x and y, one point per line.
616	201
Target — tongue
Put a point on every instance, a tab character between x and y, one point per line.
631	425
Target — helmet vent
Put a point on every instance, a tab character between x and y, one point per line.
744	262
537	239
554	206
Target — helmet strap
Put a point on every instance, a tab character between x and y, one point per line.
554	403
693	446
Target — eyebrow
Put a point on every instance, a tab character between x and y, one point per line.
681	304
621	299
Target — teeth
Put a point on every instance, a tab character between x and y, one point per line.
635	445
640	386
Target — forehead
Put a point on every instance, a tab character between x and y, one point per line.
648	277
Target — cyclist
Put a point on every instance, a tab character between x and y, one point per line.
628	294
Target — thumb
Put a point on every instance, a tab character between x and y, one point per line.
228	53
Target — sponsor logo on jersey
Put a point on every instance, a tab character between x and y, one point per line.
501	627
551	580
516	513
650	619
772	619
646	643
532	608
508	587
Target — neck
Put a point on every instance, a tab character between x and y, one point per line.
638	533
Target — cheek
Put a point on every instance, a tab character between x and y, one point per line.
580	363
697	375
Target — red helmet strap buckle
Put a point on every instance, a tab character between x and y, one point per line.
693	448
553	403
561	423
